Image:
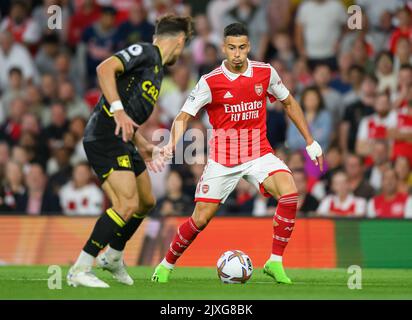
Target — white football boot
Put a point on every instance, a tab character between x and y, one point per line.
84	276
115	266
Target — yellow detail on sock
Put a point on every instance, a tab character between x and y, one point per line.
100	246
139	215
115	217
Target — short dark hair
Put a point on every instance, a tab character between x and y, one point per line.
235	29
171	24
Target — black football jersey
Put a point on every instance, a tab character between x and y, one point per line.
138	86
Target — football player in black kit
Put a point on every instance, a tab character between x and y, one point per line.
130	82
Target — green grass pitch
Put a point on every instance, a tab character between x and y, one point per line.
30	282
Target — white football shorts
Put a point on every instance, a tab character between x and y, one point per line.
218	181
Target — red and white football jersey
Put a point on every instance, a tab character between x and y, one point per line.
401	147
236	106
399	206
374	127
350	207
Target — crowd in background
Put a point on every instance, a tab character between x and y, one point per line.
355	87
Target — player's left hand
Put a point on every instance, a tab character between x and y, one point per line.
314	151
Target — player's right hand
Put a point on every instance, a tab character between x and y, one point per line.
125	123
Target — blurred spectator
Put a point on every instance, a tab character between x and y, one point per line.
204	36
13	55
83	17
342	203
390	203
333	157
404	87
11	129
99	40
358	185
15	90
281	47
241	201
136	29
307	203
24	29
380	160
216	10
402	168
403	54
355	112
404	29
175	202
401	131
37	199
276	125
66	69
211	60
48	90
59	168
375	126
172	101
34	99
58	126
356	76
48	51
279	15
33	139
76	127
13	186
318	29
20	156
254	17
318	118
385	72
322	77
74	104
81	196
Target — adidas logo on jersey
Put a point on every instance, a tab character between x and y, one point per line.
228	95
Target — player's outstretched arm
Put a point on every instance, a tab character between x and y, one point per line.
179	127
295	113
106	75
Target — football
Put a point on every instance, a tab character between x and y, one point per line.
234	266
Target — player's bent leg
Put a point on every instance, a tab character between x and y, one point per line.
125	201
282	186
185	235
110	222
146	203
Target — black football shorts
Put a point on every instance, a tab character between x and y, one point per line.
108	155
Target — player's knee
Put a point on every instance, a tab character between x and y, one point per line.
128	207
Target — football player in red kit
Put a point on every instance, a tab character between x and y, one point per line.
234	96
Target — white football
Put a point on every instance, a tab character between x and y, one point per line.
234	266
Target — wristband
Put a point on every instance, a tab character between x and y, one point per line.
116	105
314	150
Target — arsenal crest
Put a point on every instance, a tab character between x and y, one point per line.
259	89
205	188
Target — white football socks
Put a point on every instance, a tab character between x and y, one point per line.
113	254
84	260
275	257
167	264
